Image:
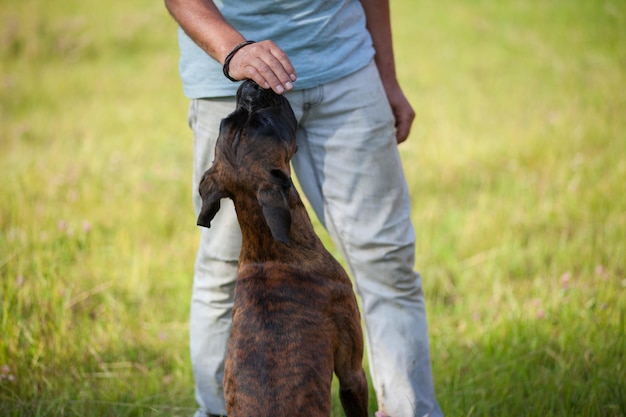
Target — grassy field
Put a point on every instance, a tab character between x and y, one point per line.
517	166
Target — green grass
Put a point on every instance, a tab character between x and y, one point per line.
515	163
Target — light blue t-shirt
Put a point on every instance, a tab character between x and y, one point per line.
325	41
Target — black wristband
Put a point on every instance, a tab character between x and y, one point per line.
230	56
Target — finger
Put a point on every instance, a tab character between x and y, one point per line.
284	62
276	67
403	126
265	76
275	73
402	132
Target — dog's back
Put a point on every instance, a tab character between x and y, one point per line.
280	354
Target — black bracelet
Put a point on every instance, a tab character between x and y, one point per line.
230	56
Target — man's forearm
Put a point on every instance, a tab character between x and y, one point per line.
205	25
379	26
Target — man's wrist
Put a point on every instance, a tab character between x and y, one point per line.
229	57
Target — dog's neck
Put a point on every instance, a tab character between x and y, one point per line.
258	244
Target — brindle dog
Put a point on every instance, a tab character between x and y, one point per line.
295	315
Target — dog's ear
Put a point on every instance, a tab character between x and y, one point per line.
211	192
273	197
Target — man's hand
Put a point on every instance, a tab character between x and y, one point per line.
402	111
266	64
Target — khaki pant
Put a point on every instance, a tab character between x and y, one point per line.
350	171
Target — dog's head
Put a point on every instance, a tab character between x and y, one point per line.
252	154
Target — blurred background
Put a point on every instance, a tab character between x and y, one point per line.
516	165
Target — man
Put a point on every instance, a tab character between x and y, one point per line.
352	114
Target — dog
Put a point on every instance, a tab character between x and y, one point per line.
295	317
